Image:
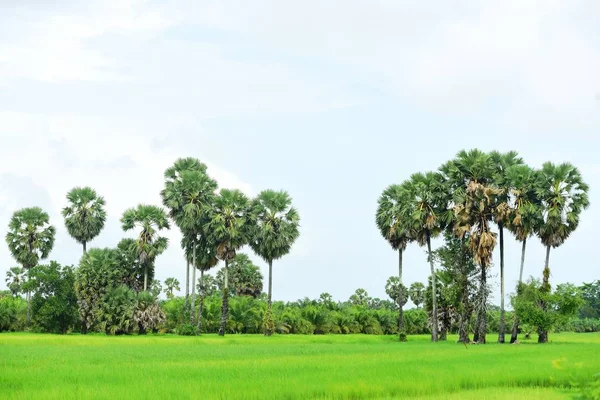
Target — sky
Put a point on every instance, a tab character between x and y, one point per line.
331	101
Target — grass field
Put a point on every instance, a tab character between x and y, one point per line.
289	367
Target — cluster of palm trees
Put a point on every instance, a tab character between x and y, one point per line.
470	194
214	225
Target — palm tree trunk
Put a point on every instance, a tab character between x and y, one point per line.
200	303
187	287
28	296
401	333
268	324
193	307
543	332
502	333
515	329
434	325
481	326
225	307
84	247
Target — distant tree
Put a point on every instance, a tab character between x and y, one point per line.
207	286
155	288
30	238
229	227
392	289
564	197
359	298
85	215
590	293
15	277
245	278
326	300
129	263
171	284
416	293
275	230
150	220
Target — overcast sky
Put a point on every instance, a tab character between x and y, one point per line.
331	101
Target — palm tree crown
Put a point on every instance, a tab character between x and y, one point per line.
85	215
30	237
391	217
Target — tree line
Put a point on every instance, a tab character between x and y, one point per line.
462	201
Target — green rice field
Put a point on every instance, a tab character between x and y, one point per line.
290	367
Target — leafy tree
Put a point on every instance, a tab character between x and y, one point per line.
15	277
475	197
391	219
30	238
446	311
559	306
359	298
115	311
85	215
13	312
230	227
502	216
428	213
155	288
564	197
392	288
591	296
416	293
147	314
188	194
319	317
245	315
207	286
149	245
54	303
274	233
526	215
245	278
171	284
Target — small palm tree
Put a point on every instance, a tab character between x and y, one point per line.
149	245
171	284
392	221
428	213
564	196
229	226
15	277
501	215
30	238
275	232
85	215
416	293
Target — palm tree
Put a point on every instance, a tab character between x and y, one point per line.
470	175
171	284
30	238
15	277
85	215
275	232
525	216
416	292
501	215
188	194
564	196
392	223
149	245
428	213
229	226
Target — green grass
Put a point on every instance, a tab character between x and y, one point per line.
289	367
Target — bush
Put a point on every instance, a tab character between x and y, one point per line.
115	313
13	313
186	330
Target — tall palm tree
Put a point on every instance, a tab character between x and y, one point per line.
391	219
229	226
428	214
470	175
15	277
188	194
501	215
30	238
85	215
564	196
525	216
274	233
149	245
171	284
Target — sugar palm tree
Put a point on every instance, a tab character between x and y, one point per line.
274	233
151	220
229	226
15	277
470	175
85	215
171	284
188	194
428	213
564	196
30	238
525	216
391	219
501	215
